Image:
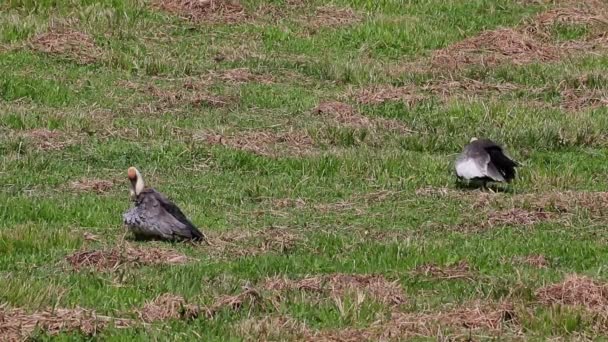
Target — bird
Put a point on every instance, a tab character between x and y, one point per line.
483	160
154	216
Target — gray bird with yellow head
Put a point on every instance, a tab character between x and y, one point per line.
156	217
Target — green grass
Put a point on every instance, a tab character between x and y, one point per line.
361	212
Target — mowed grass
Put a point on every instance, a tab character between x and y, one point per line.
88	89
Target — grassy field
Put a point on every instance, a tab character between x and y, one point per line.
314	143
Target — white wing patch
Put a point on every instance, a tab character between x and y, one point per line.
469	169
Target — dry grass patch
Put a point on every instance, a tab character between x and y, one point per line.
380	94
576	290
64	42
576	100
112	259
173	98
345	114
250	243
243	75
534	260
492	48
209	11
476	317
267	143
18	325
459	270
338	285
236	302
47	140
167	306
450	87
592	16
99	186
517	217
595	203
272	328
332	16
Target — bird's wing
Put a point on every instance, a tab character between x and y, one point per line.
173	219
472	166
503	165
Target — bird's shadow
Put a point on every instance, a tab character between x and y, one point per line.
472	185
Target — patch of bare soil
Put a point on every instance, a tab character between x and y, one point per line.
18	325
576	290
268	143
167	306
332	16
99	186
517	217
76	46
210	11
248	243
338	285
48	140
112	259
492	48
381	94
473	317
459	270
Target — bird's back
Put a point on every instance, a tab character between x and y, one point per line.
162	218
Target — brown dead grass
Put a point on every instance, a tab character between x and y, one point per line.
249	243
332	16
272	328
534	260
517	217
459	270
267	143
47	140
380	94
594	203
99	186
244	75
167	306
450	87
461	321
576	290
249	296
345	114
64	42
578	14
209	11
18	325
112	259
170	98
492	48
580	99
339	285
342	113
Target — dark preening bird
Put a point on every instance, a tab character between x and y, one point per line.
156	217
484	161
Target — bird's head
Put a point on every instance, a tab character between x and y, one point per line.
473	139
137	182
